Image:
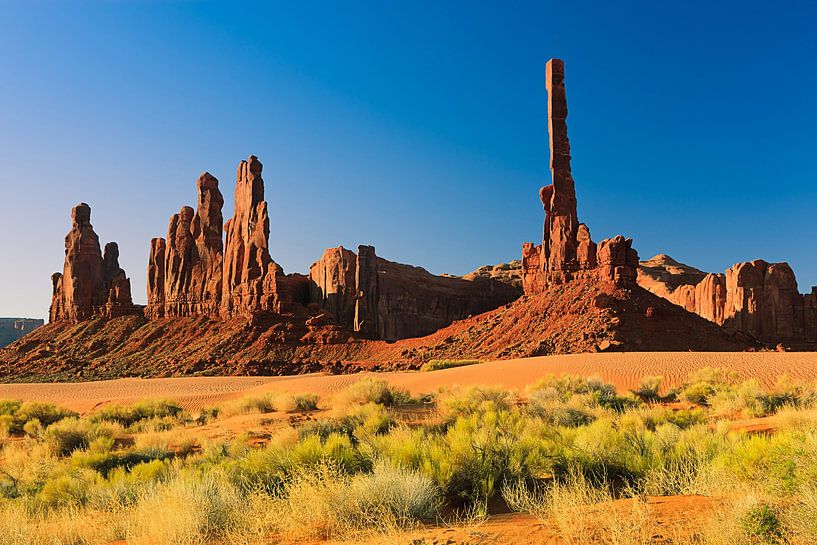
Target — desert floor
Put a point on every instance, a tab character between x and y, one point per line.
669	515
621	369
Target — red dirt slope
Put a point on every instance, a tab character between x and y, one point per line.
569	318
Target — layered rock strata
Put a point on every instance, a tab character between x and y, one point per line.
567	251
757	298
380	299
91	283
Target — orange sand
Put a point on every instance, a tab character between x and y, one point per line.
622	369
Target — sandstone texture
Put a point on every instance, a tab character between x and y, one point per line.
573	317
195	272
757	298
381	299
91	283
508	273
567	251
12	329
191	273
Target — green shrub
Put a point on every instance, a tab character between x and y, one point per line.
291	403
649	388
127	415
475	399
436	365
762	522
70	434
70	489
324	502
373	390
698	393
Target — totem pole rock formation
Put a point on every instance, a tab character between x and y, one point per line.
92	283
195	273
567	251
757	298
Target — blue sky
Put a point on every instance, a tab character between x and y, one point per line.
419	127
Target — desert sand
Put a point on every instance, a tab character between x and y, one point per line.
621	369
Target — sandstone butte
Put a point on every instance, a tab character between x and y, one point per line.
219	304
757	298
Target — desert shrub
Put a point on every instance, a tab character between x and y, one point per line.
762	522
291	403
649	388
564	502
70	488
258	403
602	451
46	413
373	390
357	422
705	383
779	464
14	415
480	452
128	415
67	436
653	417
800	519
33	428
557	413
594	389
337	449
105	461
262	469
698	392
191	509
475	399
207	414
324	502
9	406
20	525
436	365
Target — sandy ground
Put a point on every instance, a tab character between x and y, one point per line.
622	369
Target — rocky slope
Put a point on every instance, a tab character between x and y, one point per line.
569	318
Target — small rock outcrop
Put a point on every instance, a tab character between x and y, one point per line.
380	299
91	283
12	329
757	298
567	251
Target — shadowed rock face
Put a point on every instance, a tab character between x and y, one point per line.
381	299
91	284
567	251
757	298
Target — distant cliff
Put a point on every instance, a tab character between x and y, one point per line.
12	329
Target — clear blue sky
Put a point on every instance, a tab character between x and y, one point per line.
418	127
